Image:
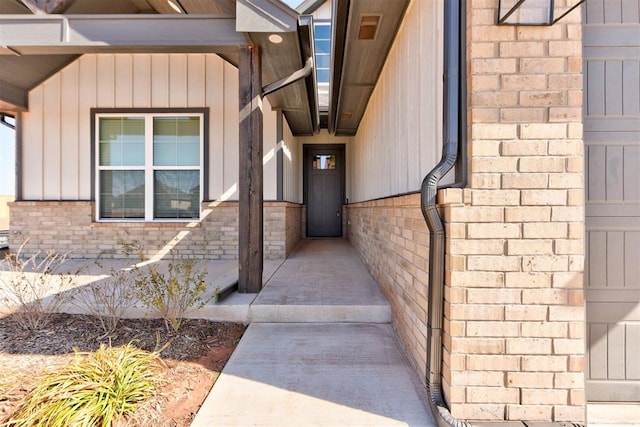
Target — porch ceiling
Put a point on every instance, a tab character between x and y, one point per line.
34	45
358	55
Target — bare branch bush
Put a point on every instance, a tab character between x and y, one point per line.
107	300
33	287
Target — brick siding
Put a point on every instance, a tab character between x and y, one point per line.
70	226
393	240
514	299
293	215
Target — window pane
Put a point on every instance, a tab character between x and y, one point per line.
324	161
176	194
176	141
322	31
122	194
323	46
322	75
323	61
121	141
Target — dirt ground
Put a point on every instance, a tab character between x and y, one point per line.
194	359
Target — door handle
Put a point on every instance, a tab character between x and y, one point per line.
338	212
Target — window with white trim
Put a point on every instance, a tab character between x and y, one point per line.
149	166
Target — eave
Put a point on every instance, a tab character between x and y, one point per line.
357	63
298	101
34	47
309	6
264	19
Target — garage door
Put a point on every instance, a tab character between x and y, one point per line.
612	138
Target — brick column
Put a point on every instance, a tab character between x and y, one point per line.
515	315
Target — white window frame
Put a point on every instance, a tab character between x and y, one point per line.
148	166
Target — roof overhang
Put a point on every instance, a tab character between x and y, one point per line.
358	56
286	43
309	6
298	101
34	47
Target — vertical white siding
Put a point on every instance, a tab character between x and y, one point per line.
141	88
32	167
196	77
214	99
70	161
57	128
269	149
123	68
87	98
160	81
178	82
51	141
229	104
324	11
292	165
400	136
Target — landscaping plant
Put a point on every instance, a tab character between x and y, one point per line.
96	389
33	287
170	293
108	299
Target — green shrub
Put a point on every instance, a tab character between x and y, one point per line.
172	293
93	390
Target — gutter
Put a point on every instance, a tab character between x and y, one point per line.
294	77
454	125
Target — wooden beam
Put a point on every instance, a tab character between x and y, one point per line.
250	236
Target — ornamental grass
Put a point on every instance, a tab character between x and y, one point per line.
95	389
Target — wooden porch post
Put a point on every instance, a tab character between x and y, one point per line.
250	238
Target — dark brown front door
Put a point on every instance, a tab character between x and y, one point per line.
324	187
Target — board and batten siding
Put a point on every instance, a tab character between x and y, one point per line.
56	153
400	136
291	165
324	11
612	154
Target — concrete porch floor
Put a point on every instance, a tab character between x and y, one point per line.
322	281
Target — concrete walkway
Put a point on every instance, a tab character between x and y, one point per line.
324	280
345	370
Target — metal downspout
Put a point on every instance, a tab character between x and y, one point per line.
453	28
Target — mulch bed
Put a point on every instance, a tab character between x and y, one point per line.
194	358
